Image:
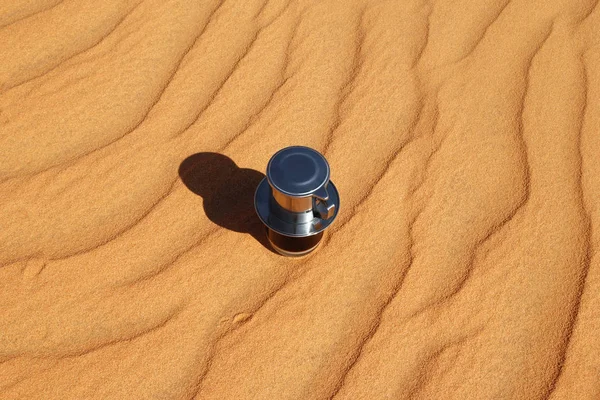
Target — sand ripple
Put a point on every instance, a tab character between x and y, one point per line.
463	137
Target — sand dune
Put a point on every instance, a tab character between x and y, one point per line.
463	136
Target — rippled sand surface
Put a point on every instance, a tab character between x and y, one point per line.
463	136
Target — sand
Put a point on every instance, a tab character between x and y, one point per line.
463	136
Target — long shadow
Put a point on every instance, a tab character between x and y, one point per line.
227	191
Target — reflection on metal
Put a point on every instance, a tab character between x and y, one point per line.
296	201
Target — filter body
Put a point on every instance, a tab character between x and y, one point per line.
296	200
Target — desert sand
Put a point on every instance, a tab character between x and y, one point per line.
463	136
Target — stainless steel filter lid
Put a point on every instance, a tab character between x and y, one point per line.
298	171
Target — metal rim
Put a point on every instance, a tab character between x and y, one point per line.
261	206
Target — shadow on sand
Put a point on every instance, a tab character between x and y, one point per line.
227	191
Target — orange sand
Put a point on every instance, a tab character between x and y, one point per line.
463	136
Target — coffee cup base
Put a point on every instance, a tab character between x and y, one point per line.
293	246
